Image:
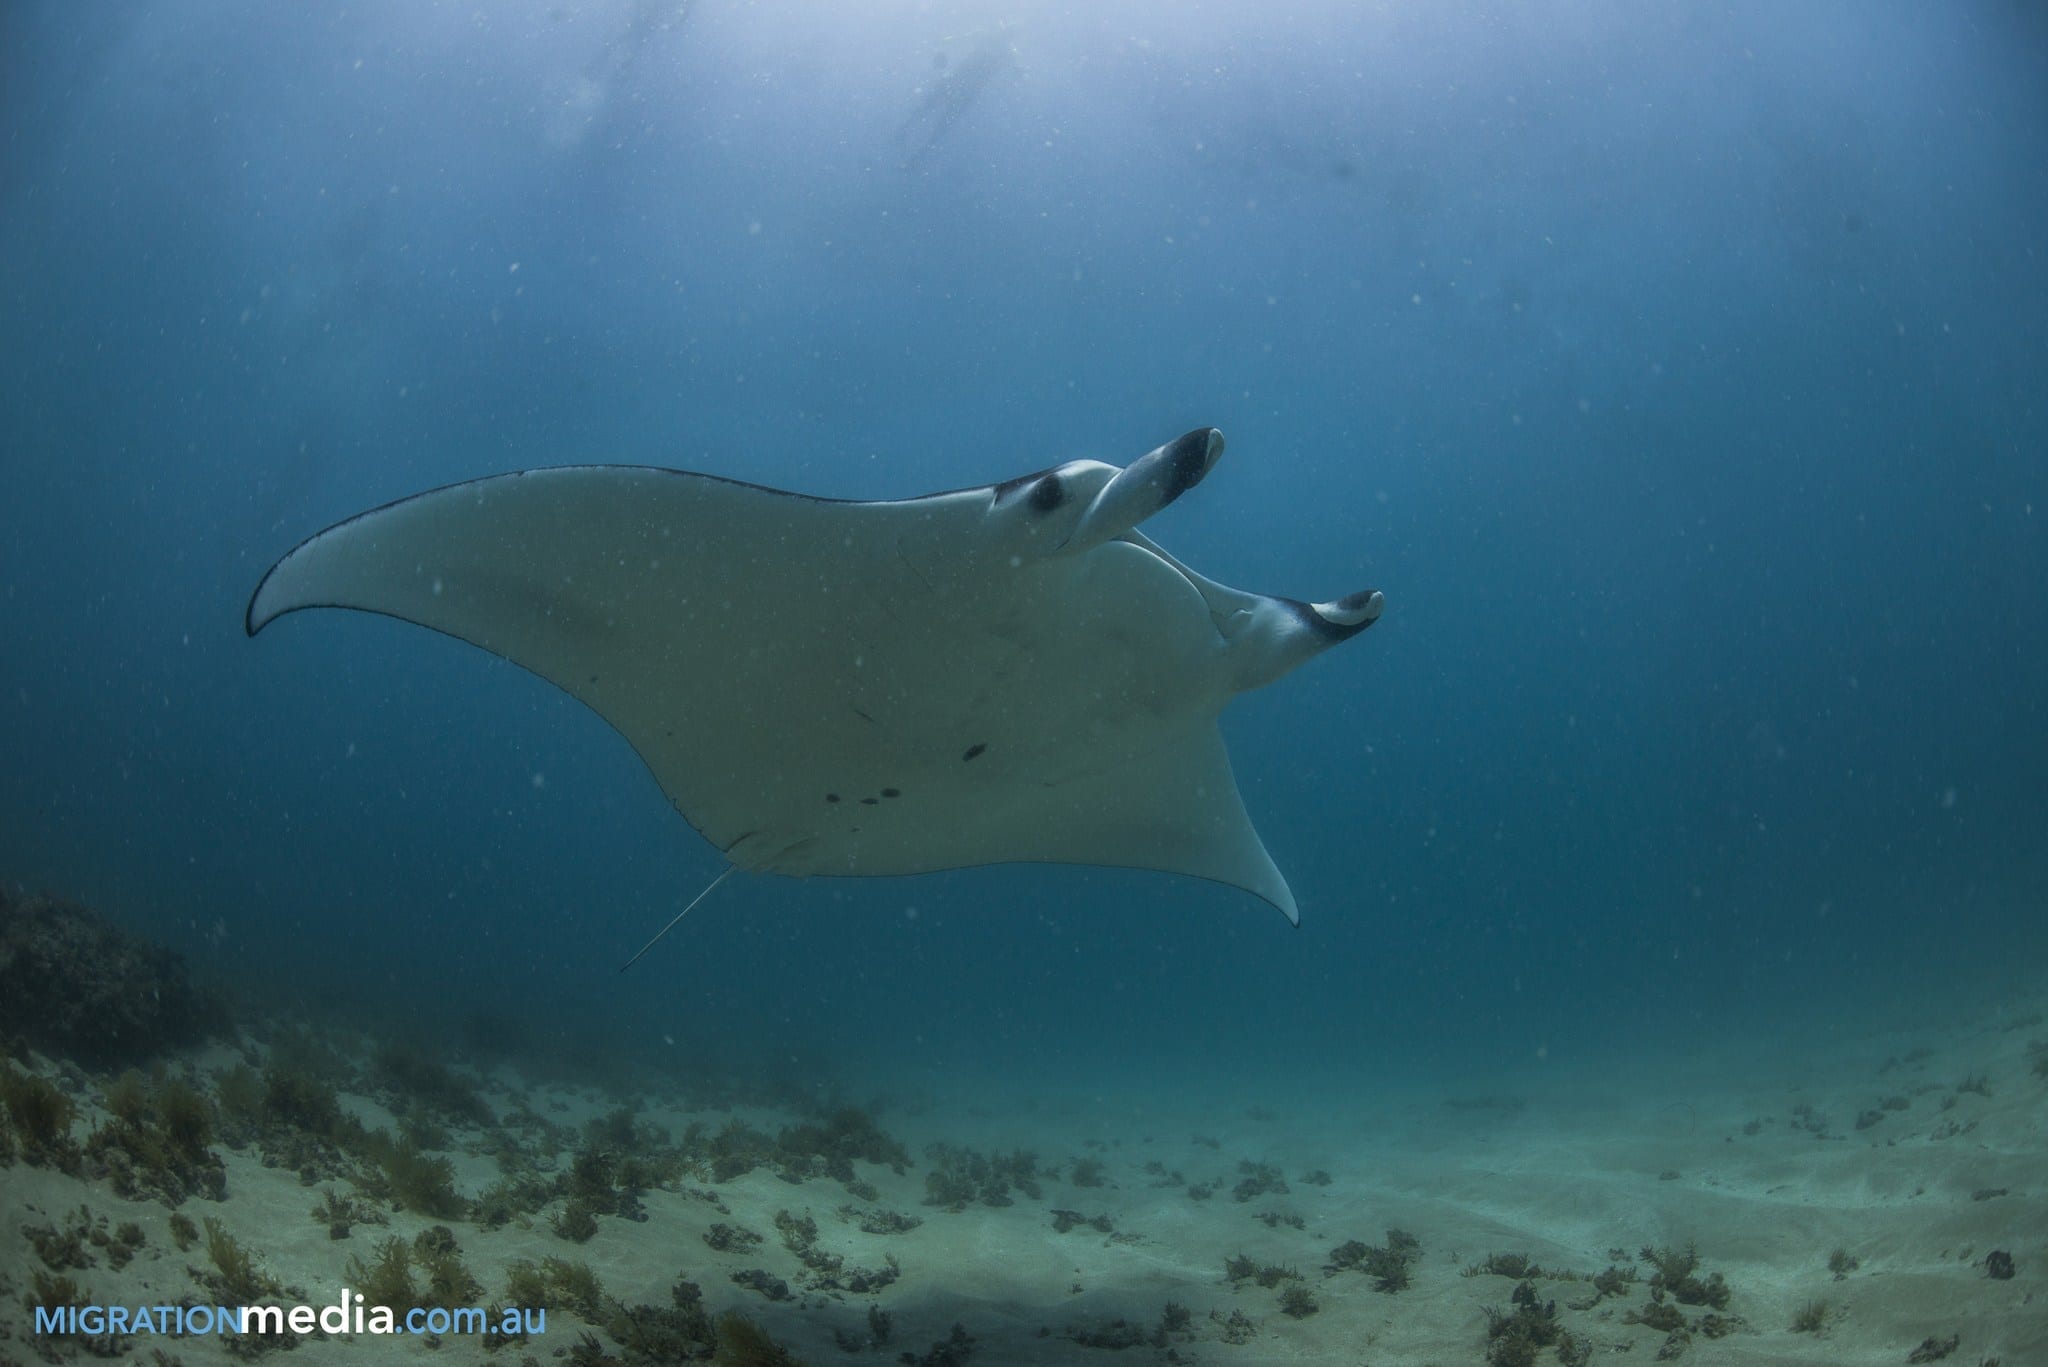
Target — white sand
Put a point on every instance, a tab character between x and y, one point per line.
1593	1161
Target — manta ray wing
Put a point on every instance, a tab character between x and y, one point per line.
1005	673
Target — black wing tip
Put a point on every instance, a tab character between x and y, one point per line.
1191	456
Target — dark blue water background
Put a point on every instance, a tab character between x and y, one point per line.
1675	370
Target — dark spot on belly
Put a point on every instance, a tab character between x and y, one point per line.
892	792
593	678
831	797
869	802
1048	494
972	752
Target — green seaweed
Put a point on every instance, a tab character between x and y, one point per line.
1716	1326
525	1284
1932	1349
1064	1220
298	1100
1513	1265
762	1283
1237	1329
1615	1281
950	1189
303	1049
338	1213
743	1343
590	1180
78	988
604	1183
864	1281
576	1286
556	1284
831	1146
1388	1264
661	1334
424	1131
127	1096
341	1213
426	1084
417	1181
447	1279
1115	1336
60	1248
500	1329
41	1117
127	1239
1260	1179
387	1277
1677	1276
960	1177
83	1231
1242	1269
588	1352
725	1238
240	1095
51	1293
736	1150
1388	1268
509	1199
574	1222
882	1221
620	1129
951	1351
186	1117
1515	1338
236	1276
799	1236
157	1144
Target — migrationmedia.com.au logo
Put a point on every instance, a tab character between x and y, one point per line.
349	1315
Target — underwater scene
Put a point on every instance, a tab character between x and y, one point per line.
1146	682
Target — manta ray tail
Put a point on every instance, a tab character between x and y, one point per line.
724	874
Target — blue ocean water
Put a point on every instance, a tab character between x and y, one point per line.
1675	371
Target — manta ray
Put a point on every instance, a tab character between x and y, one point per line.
1006	673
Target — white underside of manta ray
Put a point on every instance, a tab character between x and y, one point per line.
1007	673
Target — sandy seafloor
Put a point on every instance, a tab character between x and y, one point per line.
1577	1174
